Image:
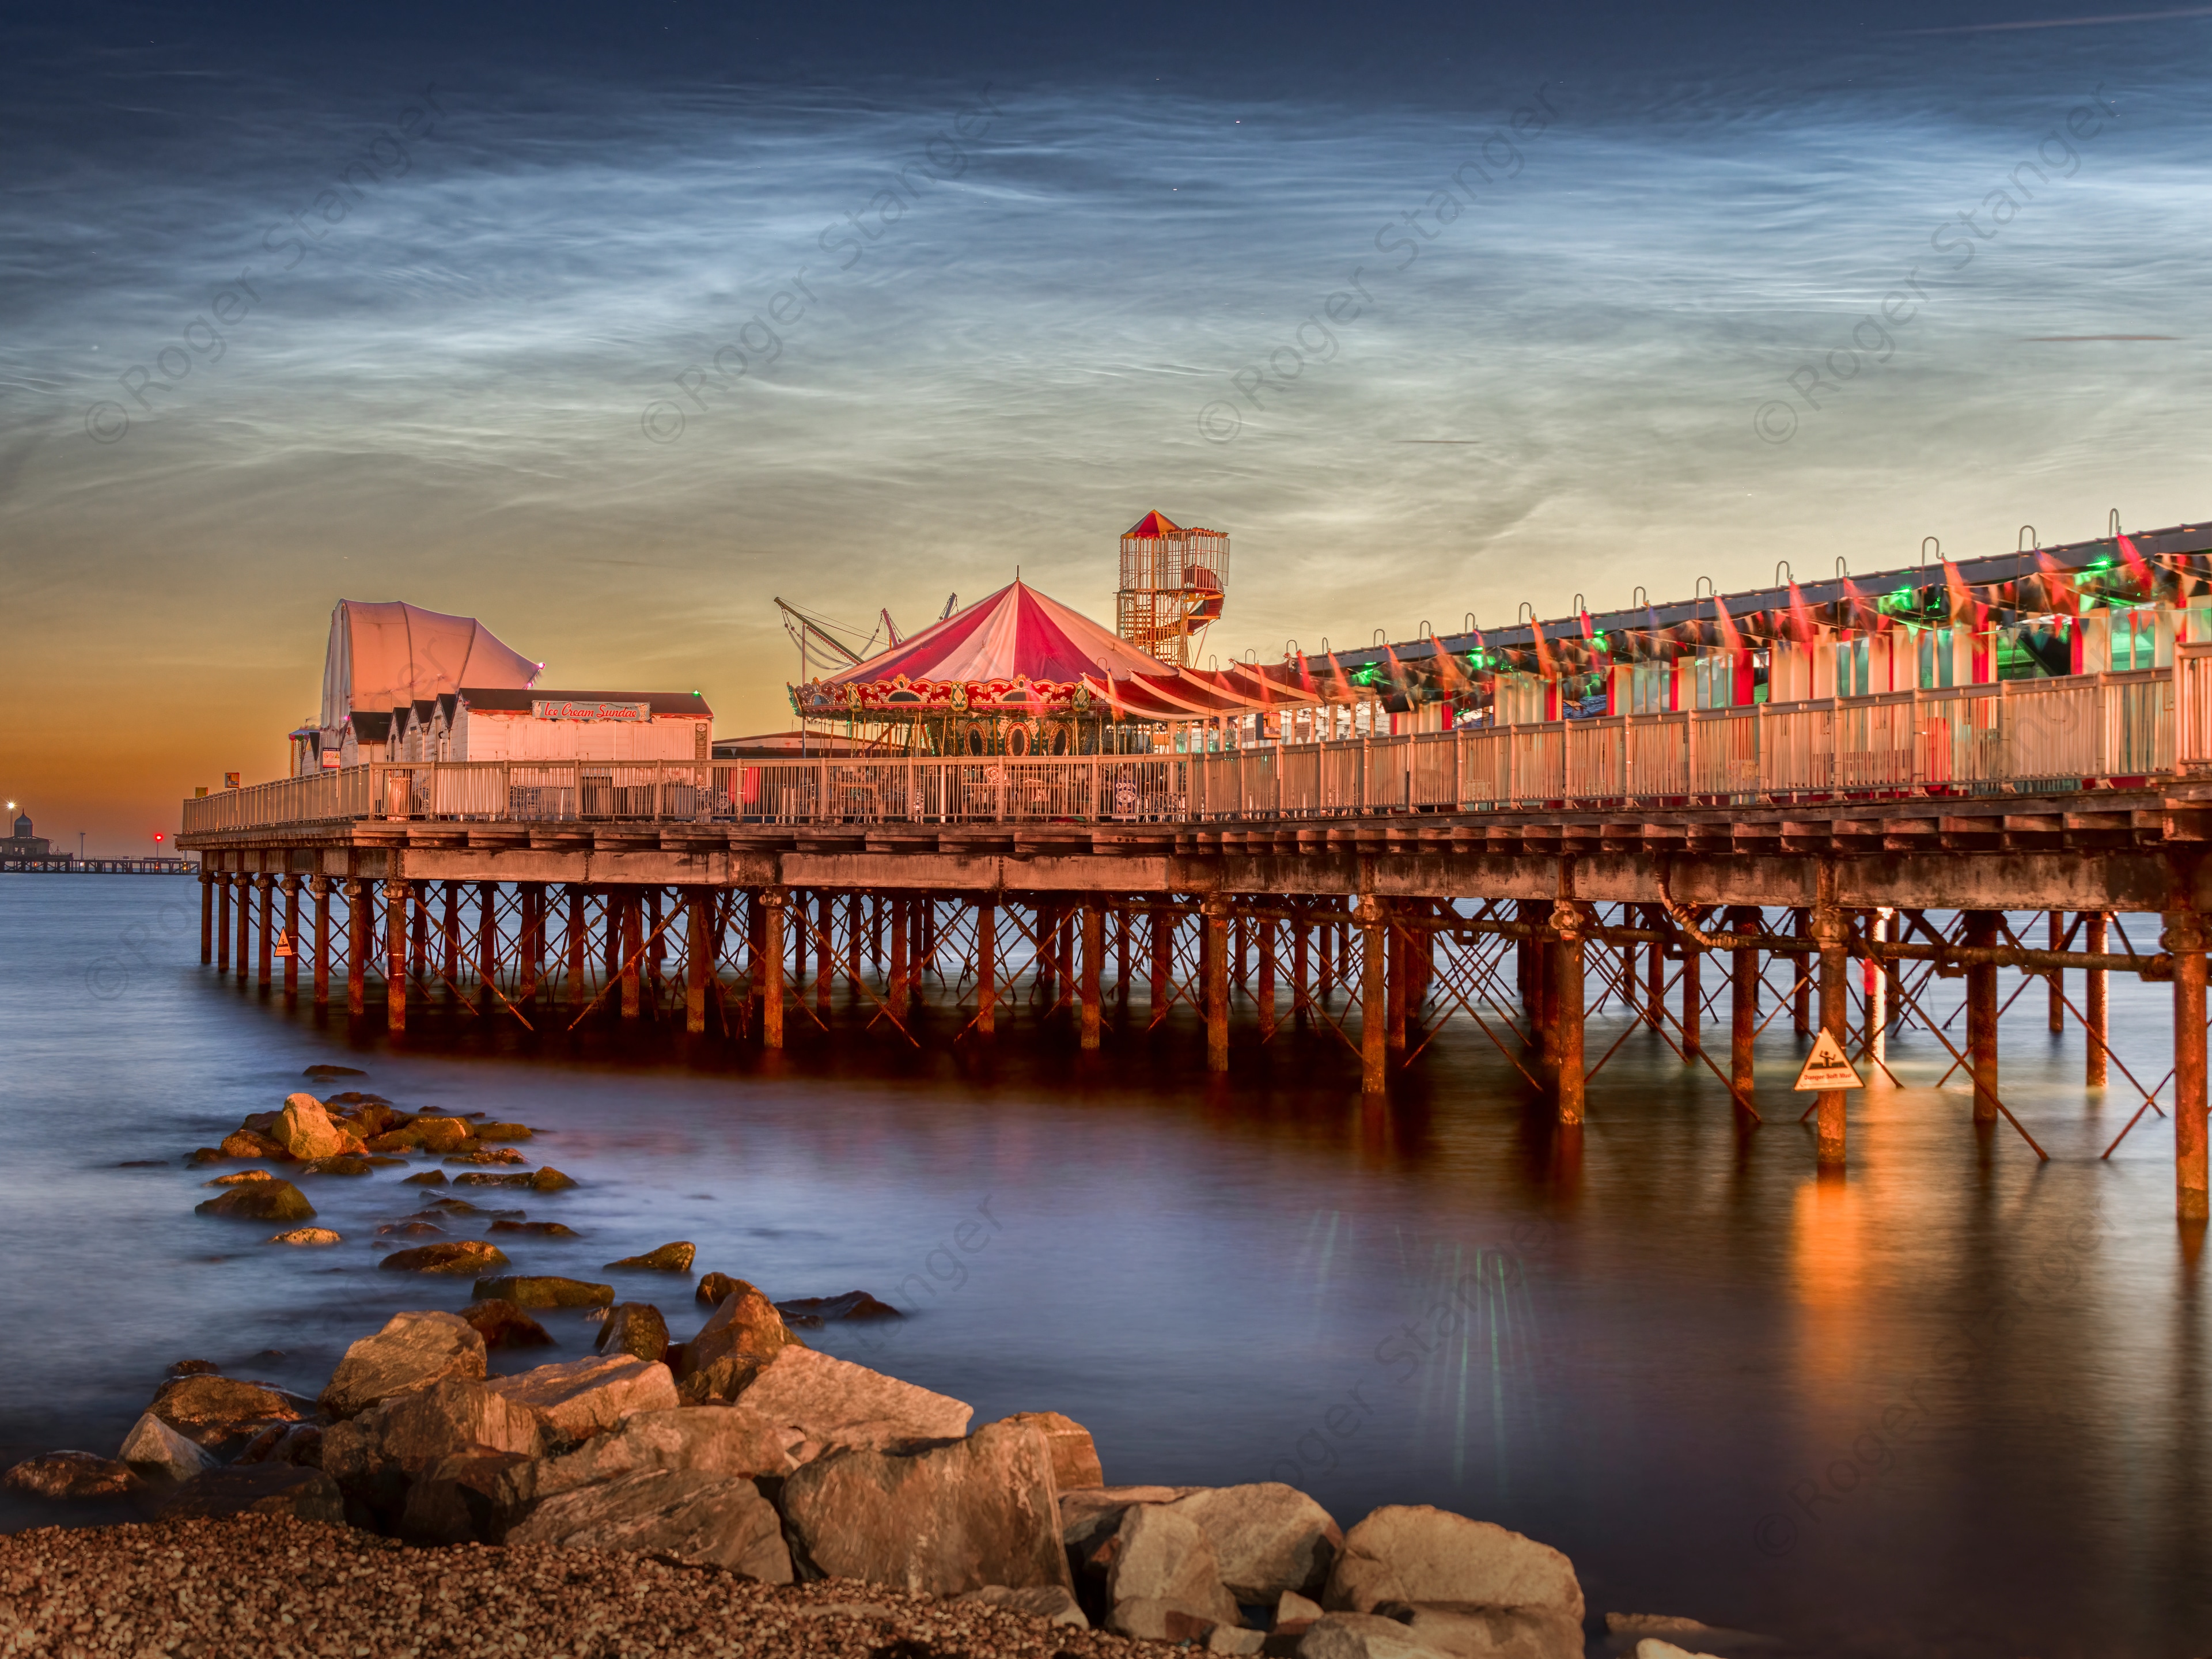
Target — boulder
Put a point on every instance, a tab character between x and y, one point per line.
1296	1612
245	1143
713	1288
425	1178
215	1411
70	1474
1415	1553
439	1135
260	1201
1051	1602
1158	1622
1652	1646
667	1258
448	1205
412	1350
326	1070
1165	1559
540	1291
470	1496
460	1256
304	1494
712	1519
504	1132
239	1178
580	1398
154	1448
727	1440
376	1455
537	1181
194	1368
744	1326
549	1180
536	1228
832	1402
1471	1632
941	1521
1074	1457
410	1230
1226	1638
503	1325
305	1130
346	1164
489	1154
285	1443
1089	1516
634	1327
1269	1538
813	1311
1363	1636
306	1236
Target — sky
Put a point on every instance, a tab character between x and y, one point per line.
609	326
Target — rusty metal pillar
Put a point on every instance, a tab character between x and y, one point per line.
698	928
1300	976
900	973
1693	996
1538	974
266	885
772	903
986	966
291	935
1802	1000
2096	1011
876	931
632	944
486	962
655	947
1832	933
1265	993
1743	1008
1374	995
576	944
244	927
1123	921
396	895
2185	941
207	916
825	951
318	887
1396	970
1094	955
755	953
1655	969
1982	1015
852	907
531	968
420	901
1047	922
1328	963
1161	938
222	926
359	932
1213	912
1568	921
1243	930
2055	932
450	936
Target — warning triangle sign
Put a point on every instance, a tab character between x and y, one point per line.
1826	1067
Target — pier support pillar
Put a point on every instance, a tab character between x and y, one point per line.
1094	951
697	956
1214	952
320	888
486	940
576	942
1300	973
1124	919
1830	931
2056	931
395	954
853	947
531	968
207	918
825	950
1374	996
1801	999
755	954
1655	969
244	926
266	885
2095	1010
1694	997
987	967
292	936
450	937
360	933
632	919
771	966
1569	920
1743	1010
1982	1016
1397	970
901	974
223	925
1160	936
420	898
2184	941
1265	992
1241	976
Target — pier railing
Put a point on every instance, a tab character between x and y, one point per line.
2023	737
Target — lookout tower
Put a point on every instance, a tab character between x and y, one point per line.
1173	583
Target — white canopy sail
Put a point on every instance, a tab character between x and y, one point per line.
384	655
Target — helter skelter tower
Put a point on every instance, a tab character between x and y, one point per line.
1173	582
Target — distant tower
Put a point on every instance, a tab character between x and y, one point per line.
1173	582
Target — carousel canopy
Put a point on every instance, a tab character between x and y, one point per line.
1019	648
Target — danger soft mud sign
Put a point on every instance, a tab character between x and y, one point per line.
1826	1067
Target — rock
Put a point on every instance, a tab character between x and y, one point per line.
726	1440
427	1178
1053	1603
578	1398
375	1456
1269	1537
501	1156
205	1155
745	1326
942	1521
504	1132
549	1180
343	1164
214	1411
1158	1621
244	1143
285	1443
468	1497
814	1310
1224	1638
834	1403
261	1123
194	1368
1164	1557
70	1474
634	1327
503	1325
439	1135
717	1520
715	1288
1089	1516
541	1291
410	1230
1075	1458
536	1228
668	1259
404	1139
260	1201
1296	1610
1652	1646
306	1131
1473	1631
412	1350
1363	1636
459	1255
328	1071
306	1236
1415	1553
304	1494
154	1448
239	1178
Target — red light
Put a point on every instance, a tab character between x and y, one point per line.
157	834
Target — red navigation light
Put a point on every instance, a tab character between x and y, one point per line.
157	834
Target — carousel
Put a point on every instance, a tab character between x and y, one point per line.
1020	674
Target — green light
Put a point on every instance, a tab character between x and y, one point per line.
2100	564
